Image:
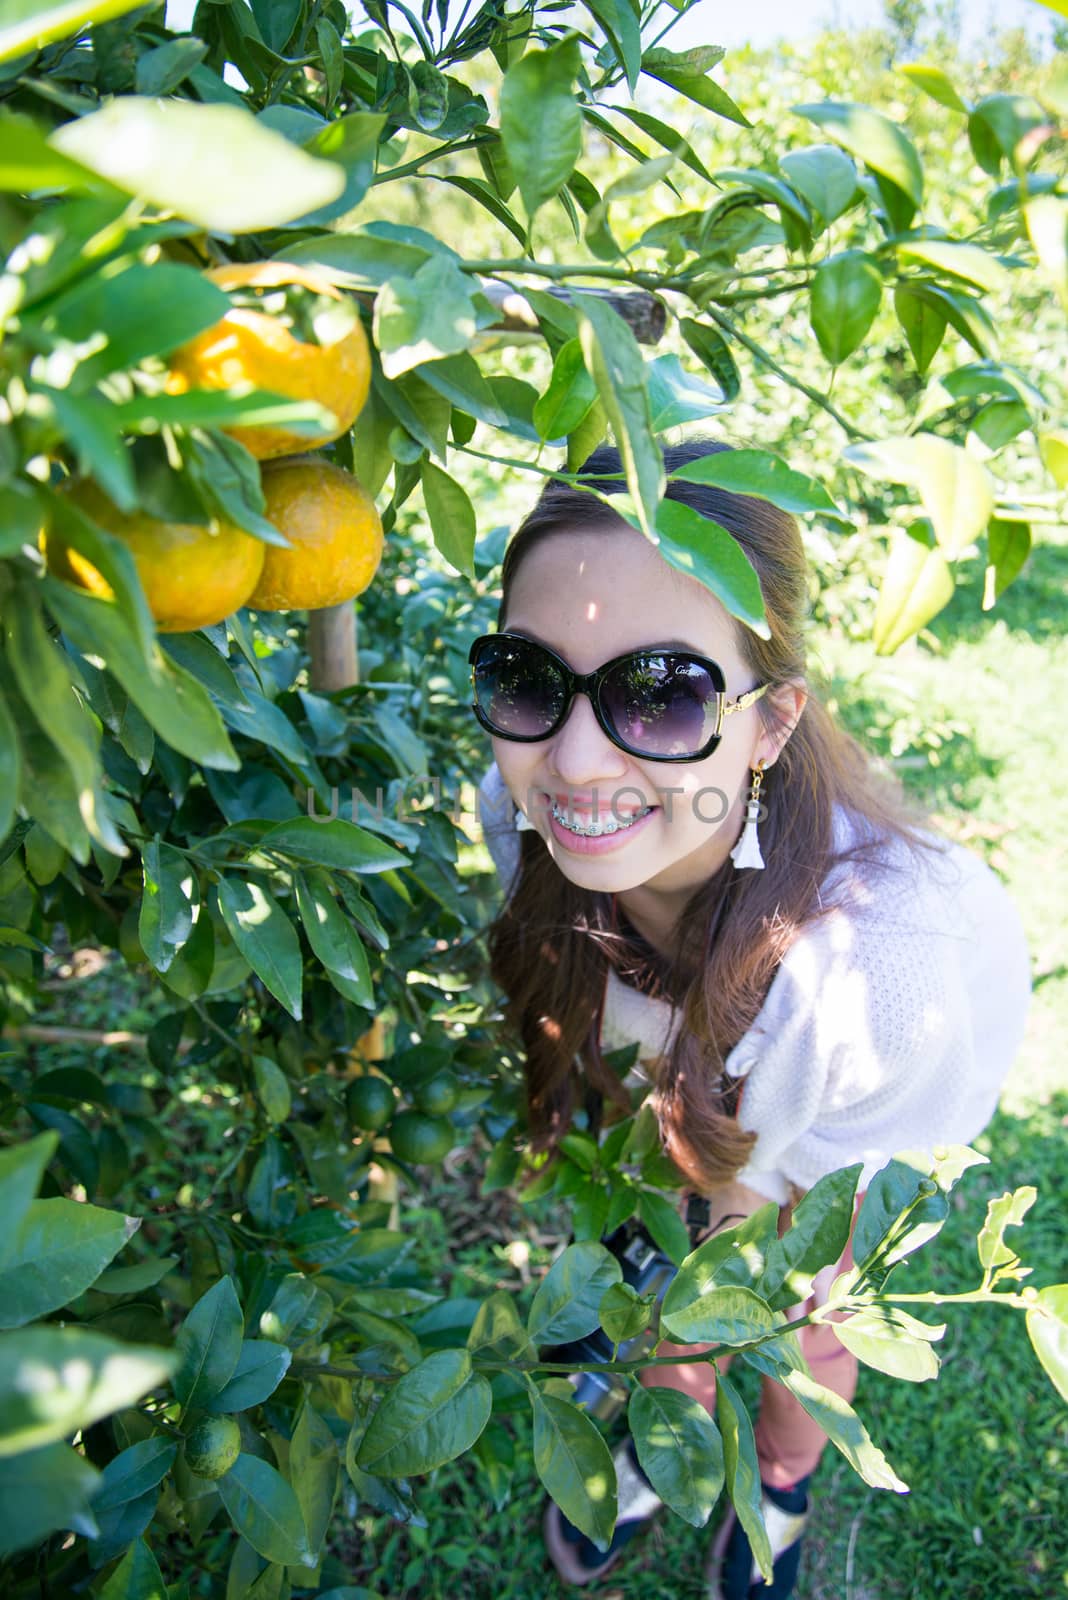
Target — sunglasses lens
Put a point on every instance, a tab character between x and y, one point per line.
518	688
661	704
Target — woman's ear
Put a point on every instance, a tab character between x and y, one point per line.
788	702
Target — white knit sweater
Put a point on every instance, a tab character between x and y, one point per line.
889	1025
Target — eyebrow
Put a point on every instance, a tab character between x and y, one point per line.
657	644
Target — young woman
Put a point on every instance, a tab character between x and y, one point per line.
697	858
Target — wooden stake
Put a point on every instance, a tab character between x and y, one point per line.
332	647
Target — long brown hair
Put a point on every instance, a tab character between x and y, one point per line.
553	943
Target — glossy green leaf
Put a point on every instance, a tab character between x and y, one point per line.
679	1450
171	892
272	1088
497	1330
264	1510
575	1466
916	586
677	397
1053	445
873	139
452	517
166	152
667	137
955	490
817	1236
684	71
615	363
568	398
54	1381
261	1366
967	261
568	1299
934	82
924	324
431	314
147	311
21	1169
431	1415
742	1470
903	1186
137	1577
208	1345
342	845
846	292
59	1251
661	1219
730	1315
315	1470
334	940
880	1340
1047	1328
540	120
1006	1211
825	177
1008	547
134	1472
265	937
696	545
845	1430
41	1491
624	1313
298	1311
765	476
620	22
710	347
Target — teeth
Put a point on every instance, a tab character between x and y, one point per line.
594	830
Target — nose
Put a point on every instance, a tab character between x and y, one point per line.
582	752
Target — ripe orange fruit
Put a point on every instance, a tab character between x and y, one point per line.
257	350
192	576
334	531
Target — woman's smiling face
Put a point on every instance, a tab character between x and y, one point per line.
591	596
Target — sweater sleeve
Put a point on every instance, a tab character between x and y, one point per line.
890	1025
496	811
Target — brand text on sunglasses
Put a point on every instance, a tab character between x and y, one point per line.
710	804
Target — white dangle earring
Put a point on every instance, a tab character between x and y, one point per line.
746	852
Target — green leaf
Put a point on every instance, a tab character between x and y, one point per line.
60	1250
667	137
166	152
679	1450
265	1511
1053	447
208	1345
174	703
21	1170
916	586
431	1415
333	939
431	314
742	1470
1008	546
662	1221
901	1187
845	1430
452	518
615	363
817	1236
568	398
170	893
161	70
54	1381
540	119
696	545
1047	1328
42	1491
767	477
272	1087
637	180
497	1330
314	1467
846	292
623	1312
677	397
710	348
967	261
924	324
265	937
824	176
261	1366
955	490
575	1466
880	1340
730	1315
137	1576
332	57
873	139
567	1303
134	1472
620	23
934	82
29	25
1007	1211
344	846
997	124
43	673
682	71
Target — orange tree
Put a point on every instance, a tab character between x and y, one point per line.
194	285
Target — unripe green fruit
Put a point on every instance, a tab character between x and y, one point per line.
438	1096
370	1103
415	1137
213	1447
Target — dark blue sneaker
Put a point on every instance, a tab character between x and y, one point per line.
575	1557
732	1572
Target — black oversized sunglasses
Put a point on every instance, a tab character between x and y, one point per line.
662	705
